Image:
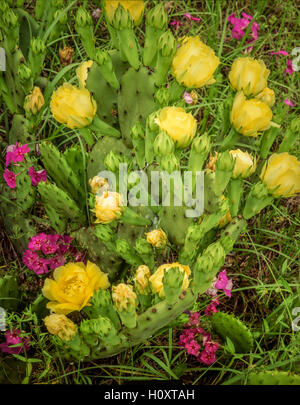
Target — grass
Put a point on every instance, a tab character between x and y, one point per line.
264	264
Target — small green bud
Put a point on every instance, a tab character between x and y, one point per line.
101	57
202	144
123	247
83	18
10	20
143	247
101	299
169	163
167	44
37	46
162	96
137	131
151	121
157	17
295	125
3	8
104	233
24	73
112	161
163	144
217	252
259	191
204	264
194	232
63	19
122	19
225	162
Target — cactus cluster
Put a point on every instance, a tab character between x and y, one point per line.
159	257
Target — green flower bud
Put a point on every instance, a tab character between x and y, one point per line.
225	162
101	299
163	144
63	19
10	20
142	247
83	18
167	44
101	57
3	8
37	46
57	3
162	96
104	233
24	73
204	264
157	17
217	253
123	247
169	163
151	121
112	161
137	131
227	242
259	191
122	19
202	144
295	125
172	282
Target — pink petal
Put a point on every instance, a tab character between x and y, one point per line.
284	53
10	178
289	102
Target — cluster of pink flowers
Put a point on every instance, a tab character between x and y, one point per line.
197	342
12	337
47	252
241	24
16	154
289	63
222	282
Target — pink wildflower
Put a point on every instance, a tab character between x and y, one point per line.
192	347
37	176
37	241
50	246
10	178
211	347
240	25
12	338
96	14
211	309
29	258
40	266
9	154
223	283
56	261
19	152
289	102
188	98
176	22
284	53
194	319
289	69
206	358
190	17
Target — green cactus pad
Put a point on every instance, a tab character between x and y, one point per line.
273	378
227	325
170	216
135	100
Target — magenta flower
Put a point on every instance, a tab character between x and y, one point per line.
289	102
37	241
10	178
206	358
176	22
194	319
284	53
223	283
19	152
241	24
13	338
29	258
56	261
190	17
211	347
188	98
50	245
192	347
40	266
37	176
9	154
96	14
289	67
212	307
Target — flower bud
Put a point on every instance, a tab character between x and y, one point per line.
167	44
225	162
24	73
295	125
66	56
137	131
135	8
83	18
170	163
244	165
37	46
142	247
250	116
152	121
141	280
122	19
281	175
123	297
163	144
104	233
157	238
63	18
162	96
202	144
112	161
34	101
61	326
216	251
267	96
157	16
108	207
101	57
10	20
248	75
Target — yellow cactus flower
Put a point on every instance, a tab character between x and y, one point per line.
135	8
281	175
157	238
178	124
248	75
267	96
123	297
82	72
34	101
245	164
141	280
108	207
73	286
250	116
72	106
156	279
61	326
194	63
97	183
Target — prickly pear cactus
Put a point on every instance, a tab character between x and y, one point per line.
273	378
